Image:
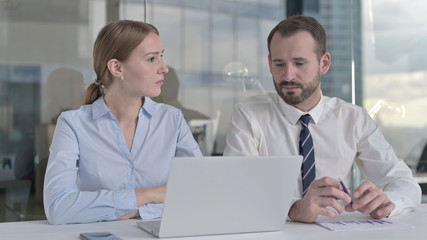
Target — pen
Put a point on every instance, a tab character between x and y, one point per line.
345	190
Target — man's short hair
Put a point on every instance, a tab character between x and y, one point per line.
297	23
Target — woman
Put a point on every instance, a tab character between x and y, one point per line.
110	159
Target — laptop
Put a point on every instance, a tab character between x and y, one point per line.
224	195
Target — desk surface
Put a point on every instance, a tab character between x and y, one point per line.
292	230
421	177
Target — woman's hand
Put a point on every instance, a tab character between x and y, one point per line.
129	216
150	195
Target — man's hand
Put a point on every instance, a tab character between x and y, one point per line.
321	194
369	199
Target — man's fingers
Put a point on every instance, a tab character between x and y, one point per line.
327	182
371	200
331	202
328	187
363	188
372	205
327	212
383	211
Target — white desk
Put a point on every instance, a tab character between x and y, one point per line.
421	177
292	230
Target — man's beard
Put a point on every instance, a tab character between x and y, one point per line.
291	98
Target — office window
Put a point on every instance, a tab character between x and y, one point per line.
45	65
377	52
385	42
206	40
395	73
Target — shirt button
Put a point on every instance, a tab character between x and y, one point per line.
131	166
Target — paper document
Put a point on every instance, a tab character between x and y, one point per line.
362	224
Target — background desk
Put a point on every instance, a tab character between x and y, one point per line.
292	230
421	178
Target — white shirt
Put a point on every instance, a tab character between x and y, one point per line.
342	133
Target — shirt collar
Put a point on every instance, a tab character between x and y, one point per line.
148	107
293	114
99	108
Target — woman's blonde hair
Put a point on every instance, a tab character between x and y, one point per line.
116	40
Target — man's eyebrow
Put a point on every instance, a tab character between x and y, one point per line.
299	59
155	52
294	59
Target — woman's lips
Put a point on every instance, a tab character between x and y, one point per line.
159	82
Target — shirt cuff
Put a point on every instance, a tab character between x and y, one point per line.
124	202
151	211
402	204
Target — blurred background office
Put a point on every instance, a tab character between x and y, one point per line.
218	51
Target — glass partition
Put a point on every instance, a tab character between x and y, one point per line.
395	74
45	65
217	53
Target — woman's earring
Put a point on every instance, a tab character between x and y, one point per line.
122	78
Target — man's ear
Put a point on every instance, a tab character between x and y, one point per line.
115	68
325	63
269	62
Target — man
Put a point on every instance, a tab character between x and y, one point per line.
336	132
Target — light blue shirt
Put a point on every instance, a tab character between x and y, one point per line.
91	174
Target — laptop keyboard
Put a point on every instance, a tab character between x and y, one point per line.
155	224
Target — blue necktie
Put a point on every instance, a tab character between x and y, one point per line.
308	169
